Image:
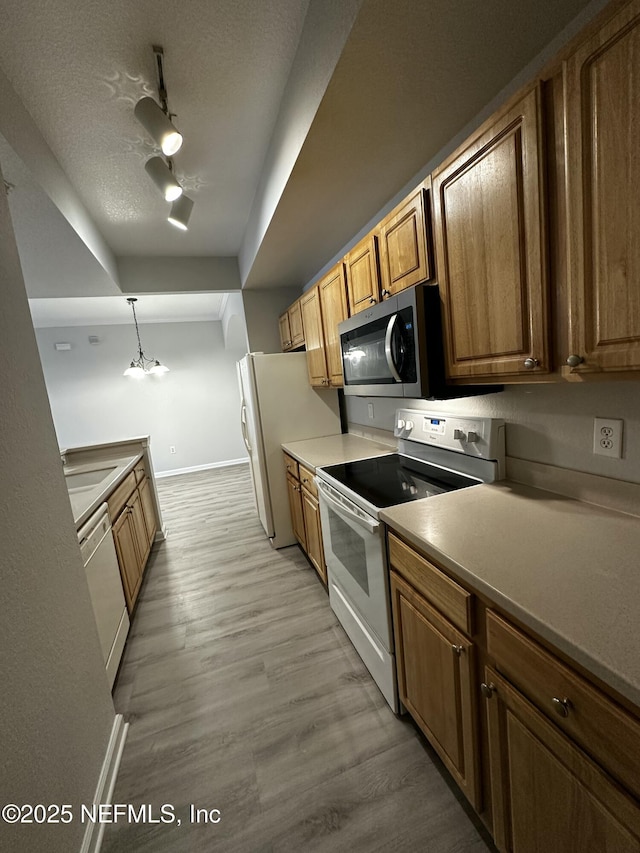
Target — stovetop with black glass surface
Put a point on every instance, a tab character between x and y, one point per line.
394	479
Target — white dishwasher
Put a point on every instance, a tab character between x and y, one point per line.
105	587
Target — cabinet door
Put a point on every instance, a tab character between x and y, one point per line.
295	504
313	529
602	120
314	339
139	528
491	250
285	332
148	511
333	303
546	793
435	666
405	251
362	270
295	325
129	558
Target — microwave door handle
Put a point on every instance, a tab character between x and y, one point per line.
371	526
387	348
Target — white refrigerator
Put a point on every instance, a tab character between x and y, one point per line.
279	405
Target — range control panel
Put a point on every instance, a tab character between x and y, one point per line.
481	437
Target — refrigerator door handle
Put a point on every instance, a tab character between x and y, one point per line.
243	426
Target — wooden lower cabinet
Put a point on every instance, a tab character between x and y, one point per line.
435	665
547	794
305	513
548	759
134	530
126	533
294	490
313	530
148	511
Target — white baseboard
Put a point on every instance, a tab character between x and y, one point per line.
106	783
175	471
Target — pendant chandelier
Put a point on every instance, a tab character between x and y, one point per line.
141	365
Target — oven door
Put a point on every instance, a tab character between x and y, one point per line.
355	553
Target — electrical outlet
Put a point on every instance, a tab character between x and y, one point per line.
370	410
607	437
172	448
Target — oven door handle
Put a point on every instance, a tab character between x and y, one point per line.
340	509
387	348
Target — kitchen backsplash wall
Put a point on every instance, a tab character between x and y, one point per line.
194	408
552	424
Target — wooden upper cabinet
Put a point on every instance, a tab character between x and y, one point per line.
291	328
333	304
285	331
405	244
296	328
314	338
362	271
602	120
490	237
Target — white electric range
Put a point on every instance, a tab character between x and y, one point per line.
437	453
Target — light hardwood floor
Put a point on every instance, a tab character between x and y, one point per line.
245	695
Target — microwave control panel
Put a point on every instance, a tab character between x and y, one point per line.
481	437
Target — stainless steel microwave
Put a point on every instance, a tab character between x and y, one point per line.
395	349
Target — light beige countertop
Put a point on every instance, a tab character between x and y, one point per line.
568	570
85	499
334	449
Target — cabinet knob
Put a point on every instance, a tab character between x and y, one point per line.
487	690
574	360
458	649
530	363
386	292
372	301
561	706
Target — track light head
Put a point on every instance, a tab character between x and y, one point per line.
180	212
158	125
163	178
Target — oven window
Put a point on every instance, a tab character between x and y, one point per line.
350	550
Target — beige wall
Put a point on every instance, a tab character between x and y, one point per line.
548	423
56	711
261	310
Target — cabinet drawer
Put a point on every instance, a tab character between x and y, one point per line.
307	480
292	466
118	498
452	600
601	727
140	472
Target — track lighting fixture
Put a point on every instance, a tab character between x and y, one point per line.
158	125
180	212
156	119
162	176
142	365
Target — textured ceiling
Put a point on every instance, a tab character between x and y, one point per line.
79	66
411	75
114	310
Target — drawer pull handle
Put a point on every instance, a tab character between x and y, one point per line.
487	689
458	649
561	706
